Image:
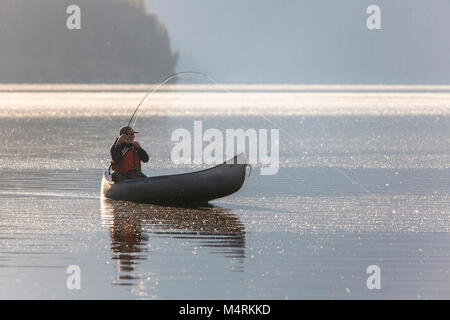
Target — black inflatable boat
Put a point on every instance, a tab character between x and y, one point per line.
195	187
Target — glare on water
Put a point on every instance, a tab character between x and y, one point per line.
363	180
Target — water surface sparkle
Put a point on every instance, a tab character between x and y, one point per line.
308	232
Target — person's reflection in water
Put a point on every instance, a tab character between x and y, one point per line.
131	225
127	241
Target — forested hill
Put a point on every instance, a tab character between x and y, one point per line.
118	42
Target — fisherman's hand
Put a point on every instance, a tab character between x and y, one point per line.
136	145
121	139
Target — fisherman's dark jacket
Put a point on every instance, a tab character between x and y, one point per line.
126	158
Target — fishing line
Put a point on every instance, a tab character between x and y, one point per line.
295	140
170	77
334	168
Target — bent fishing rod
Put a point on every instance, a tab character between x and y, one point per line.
162	82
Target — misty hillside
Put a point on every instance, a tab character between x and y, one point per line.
303	41
118	43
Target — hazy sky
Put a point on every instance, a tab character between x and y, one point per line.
310	41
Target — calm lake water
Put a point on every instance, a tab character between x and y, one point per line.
364	180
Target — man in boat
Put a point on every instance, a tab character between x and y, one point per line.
126	156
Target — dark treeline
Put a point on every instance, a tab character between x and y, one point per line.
118	43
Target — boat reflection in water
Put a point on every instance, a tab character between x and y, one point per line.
135	226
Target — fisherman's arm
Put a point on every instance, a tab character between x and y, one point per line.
142	154
116	153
